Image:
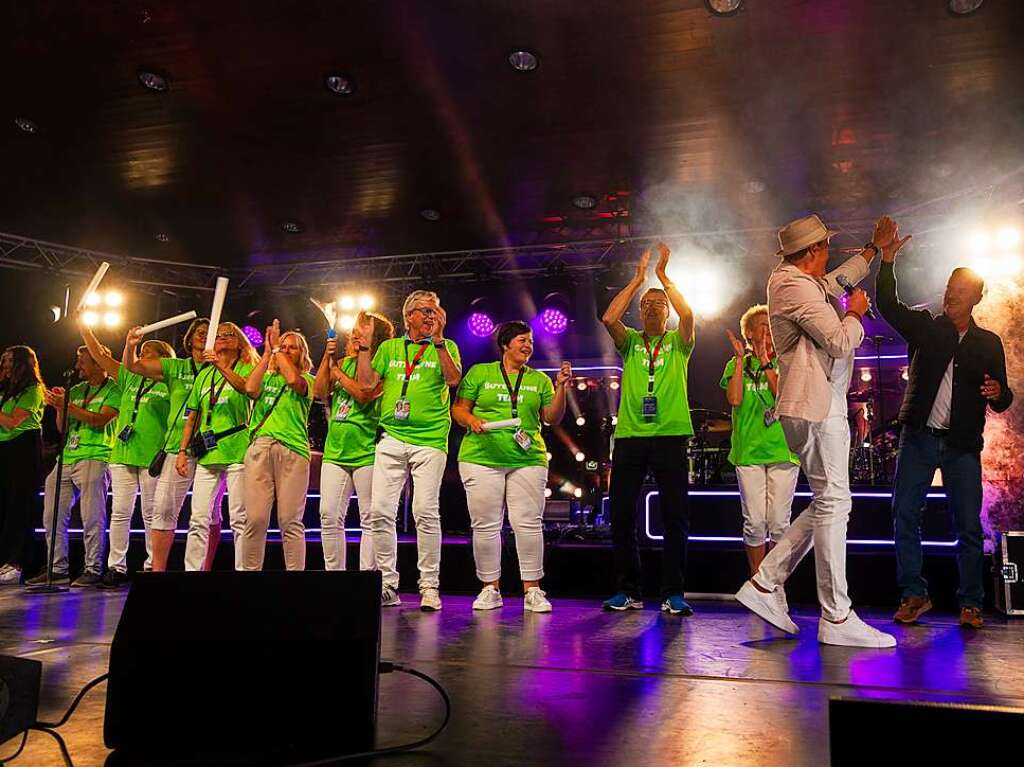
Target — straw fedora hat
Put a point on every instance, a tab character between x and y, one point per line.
802	233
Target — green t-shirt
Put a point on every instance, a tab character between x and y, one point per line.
30	399
179	376
84	442
231	410
753	443
670	371
352	440
288	422
147	438
430	416
485	386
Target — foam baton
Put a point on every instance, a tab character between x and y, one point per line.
93	284
508	423
155	326
218	304
329	314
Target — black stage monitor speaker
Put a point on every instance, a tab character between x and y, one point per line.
19	694
244	667
886	732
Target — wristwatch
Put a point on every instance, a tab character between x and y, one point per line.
364	348
440	345
870	244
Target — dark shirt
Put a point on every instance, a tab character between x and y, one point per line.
931	343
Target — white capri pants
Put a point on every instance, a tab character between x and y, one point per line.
488	492
336	486
171	489
126	482
766	499
207	491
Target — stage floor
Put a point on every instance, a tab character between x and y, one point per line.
577	686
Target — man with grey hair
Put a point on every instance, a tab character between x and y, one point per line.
414	373
815	341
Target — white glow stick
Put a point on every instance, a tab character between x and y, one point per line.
155	326
93	284
218	304
329	314
508	423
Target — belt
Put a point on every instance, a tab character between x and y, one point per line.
937	432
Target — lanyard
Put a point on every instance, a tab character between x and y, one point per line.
512	393
409	367
143	390
215	395
86	400
652	358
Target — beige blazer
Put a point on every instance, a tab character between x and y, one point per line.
809	335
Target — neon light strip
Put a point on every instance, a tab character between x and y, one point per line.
872	357
591	367
228	530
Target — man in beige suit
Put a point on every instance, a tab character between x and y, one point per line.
815	341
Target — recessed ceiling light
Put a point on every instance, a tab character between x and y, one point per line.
26	125
339	84
523	61
162	237
153	81
963	7
430	214
291	227
753	186
584	201
724	7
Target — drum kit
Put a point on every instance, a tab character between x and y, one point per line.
707	461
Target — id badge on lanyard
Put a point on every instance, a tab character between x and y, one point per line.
402	408
344	408
73	442
522	438
649	407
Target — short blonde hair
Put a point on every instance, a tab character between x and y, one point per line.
306	363
246	353
748	317
412	298
163	349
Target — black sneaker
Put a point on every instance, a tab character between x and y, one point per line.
59	579
113	579
86	580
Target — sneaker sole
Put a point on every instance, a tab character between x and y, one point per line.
613	608
429	609
537	609
870	646
485	607
670	611
767	617
914	619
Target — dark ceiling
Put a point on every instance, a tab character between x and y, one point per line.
673	118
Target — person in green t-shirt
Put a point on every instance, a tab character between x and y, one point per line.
179	375
21	465
416	372
277	460
652	432
218	415
507	465
353	417
140	428
88	439
766	469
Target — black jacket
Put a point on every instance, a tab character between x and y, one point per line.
931	343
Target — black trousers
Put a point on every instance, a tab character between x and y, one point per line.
666	458
21	476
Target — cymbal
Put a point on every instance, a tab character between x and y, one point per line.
717	425
861	396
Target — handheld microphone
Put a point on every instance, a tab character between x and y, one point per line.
847	287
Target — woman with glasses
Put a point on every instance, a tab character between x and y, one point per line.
216	432
508	466
21	467
277	461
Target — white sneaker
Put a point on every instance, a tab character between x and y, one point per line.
780	596
853	632
767	607
488	599
430	600
536	601
389	597
10	576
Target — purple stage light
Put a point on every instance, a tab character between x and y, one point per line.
554	321
480	324
254	335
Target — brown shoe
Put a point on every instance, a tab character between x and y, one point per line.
912	608
970	617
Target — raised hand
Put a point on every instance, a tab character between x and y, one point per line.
737	345
663	256
439	323
641	269
273	335
761	344
564	375
332	348
889	252
55	397
364	322
885	233
134	337
990	388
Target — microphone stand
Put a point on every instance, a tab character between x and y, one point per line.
49	587
878	341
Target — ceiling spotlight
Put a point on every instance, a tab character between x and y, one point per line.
90	318
578	492
554	321
547	492
724	7
162	237
347	303
753	186
582	384
253	334
480	324
153	81
366	302
291	227
865	375
584	201
339	84
26	125
964	7
615	420
1010	264
523	61
579	456
347	321
1008	238
979	242
581	421
93	299
111	319
431	214
113	299
614	385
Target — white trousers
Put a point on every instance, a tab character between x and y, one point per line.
488	492
171	489
391	461
824	451
126	482
336	486
87	481
207	491
766	499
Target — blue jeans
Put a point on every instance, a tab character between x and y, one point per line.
921	453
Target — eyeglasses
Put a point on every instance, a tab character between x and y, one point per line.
225	336
426	311
660	304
